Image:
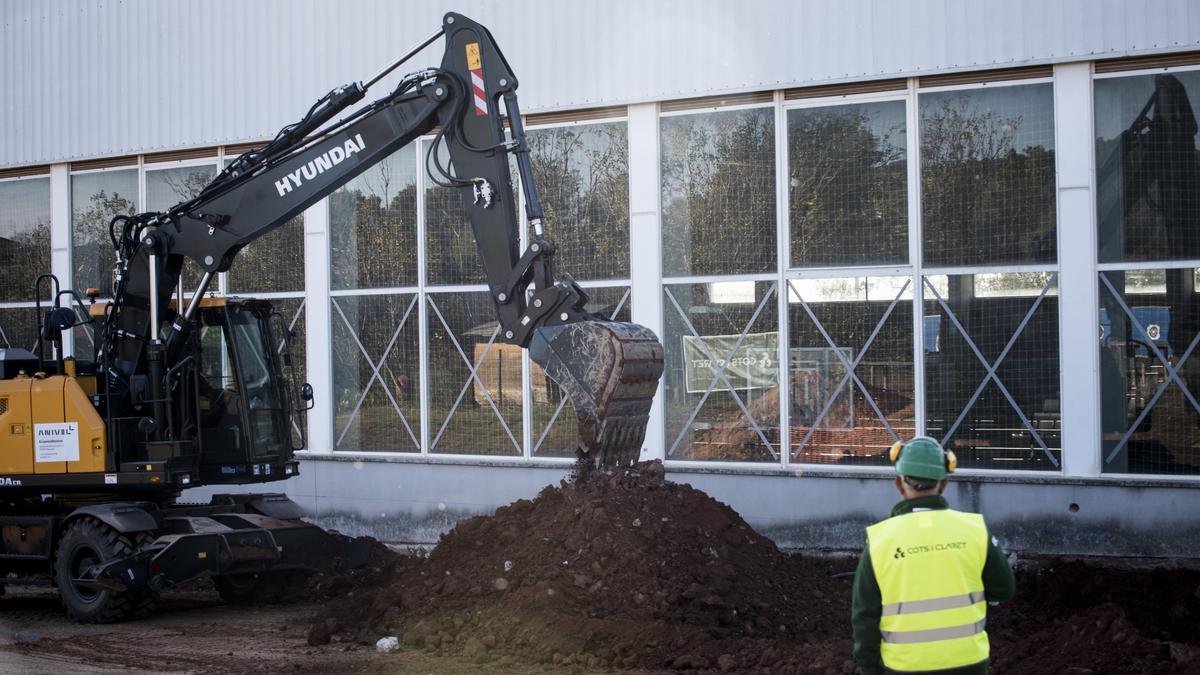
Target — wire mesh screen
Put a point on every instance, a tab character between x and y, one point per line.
451	256
19	328
992	368
373	226
850	371
95	199
24	237
1149	329
554	426
272	264
376	373
987	175
475	386
721	376
1148	167
718	192
166	188
847	181
582	175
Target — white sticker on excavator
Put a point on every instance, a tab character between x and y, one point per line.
56	442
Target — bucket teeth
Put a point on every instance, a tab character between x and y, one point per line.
609	370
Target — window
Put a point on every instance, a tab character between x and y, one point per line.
475	401
847	184
166	188
24	237
373	226
721	374
992	368
718	192
987	176
96	197
582	174
1149	330
850	368
376	377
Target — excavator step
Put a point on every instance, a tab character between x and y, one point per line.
609	370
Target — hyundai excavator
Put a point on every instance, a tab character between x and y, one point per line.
185	392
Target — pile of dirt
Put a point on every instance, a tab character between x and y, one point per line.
625	570
1099	640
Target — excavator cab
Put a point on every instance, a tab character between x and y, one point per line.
243	398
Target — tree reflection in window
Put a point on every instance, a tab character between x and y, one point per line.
847	184
718	192
24	237
582	175
95	199
987	176
373	226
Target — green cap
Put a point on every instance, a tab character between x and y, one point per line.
922	457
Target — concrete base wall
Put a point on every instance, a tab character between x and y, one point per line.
408	501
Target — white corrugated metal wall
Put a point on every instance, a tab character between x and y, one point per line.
95	78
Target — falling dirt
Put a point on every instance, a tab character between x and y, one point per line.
635	572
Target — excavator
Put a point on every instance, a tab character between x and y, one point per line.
183	392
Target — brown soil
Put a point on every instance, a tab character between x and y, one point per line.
632	571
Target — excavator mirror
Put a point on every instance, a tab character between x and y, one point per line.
306	393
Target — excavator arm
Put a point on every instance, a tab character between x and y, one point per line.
609	370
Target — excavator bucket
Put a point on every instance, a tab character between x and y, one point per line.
609	370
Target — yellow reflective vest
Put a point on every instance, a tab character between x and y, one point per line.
929	566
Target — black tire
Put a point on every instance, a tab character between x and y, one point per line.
260	588
85	543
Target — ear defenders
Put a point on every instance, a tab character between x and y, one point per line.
898	447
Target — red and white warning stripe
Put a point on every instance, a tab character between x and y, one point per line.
481	108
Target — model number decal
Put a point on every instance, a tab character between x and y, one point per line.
10	482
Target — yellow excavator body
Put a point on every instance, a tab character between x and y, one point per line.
48	425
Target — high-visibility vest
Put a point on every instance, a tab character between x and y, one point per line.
929	566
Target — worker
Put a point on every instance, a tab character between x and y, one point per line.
925	576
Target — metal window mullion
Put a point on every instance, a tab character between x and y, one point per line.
915	251
61	260
783	259
422	302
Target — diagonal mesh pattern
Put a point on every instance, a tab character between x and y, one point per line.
722	372
850	368
1150	413
475	382
992	368
375	373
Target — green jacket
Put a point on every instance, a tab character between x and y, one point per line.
998	586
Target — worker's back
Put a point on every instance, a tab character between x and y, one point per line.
929	567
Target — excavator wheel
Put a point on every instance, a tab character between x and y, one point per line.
85	543
610	371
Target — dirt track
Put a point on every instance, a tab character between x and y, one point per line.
194	632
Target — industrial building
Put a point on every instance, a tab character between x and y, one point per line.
849	223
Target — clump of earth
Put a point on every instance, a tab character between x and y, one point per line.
630	570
